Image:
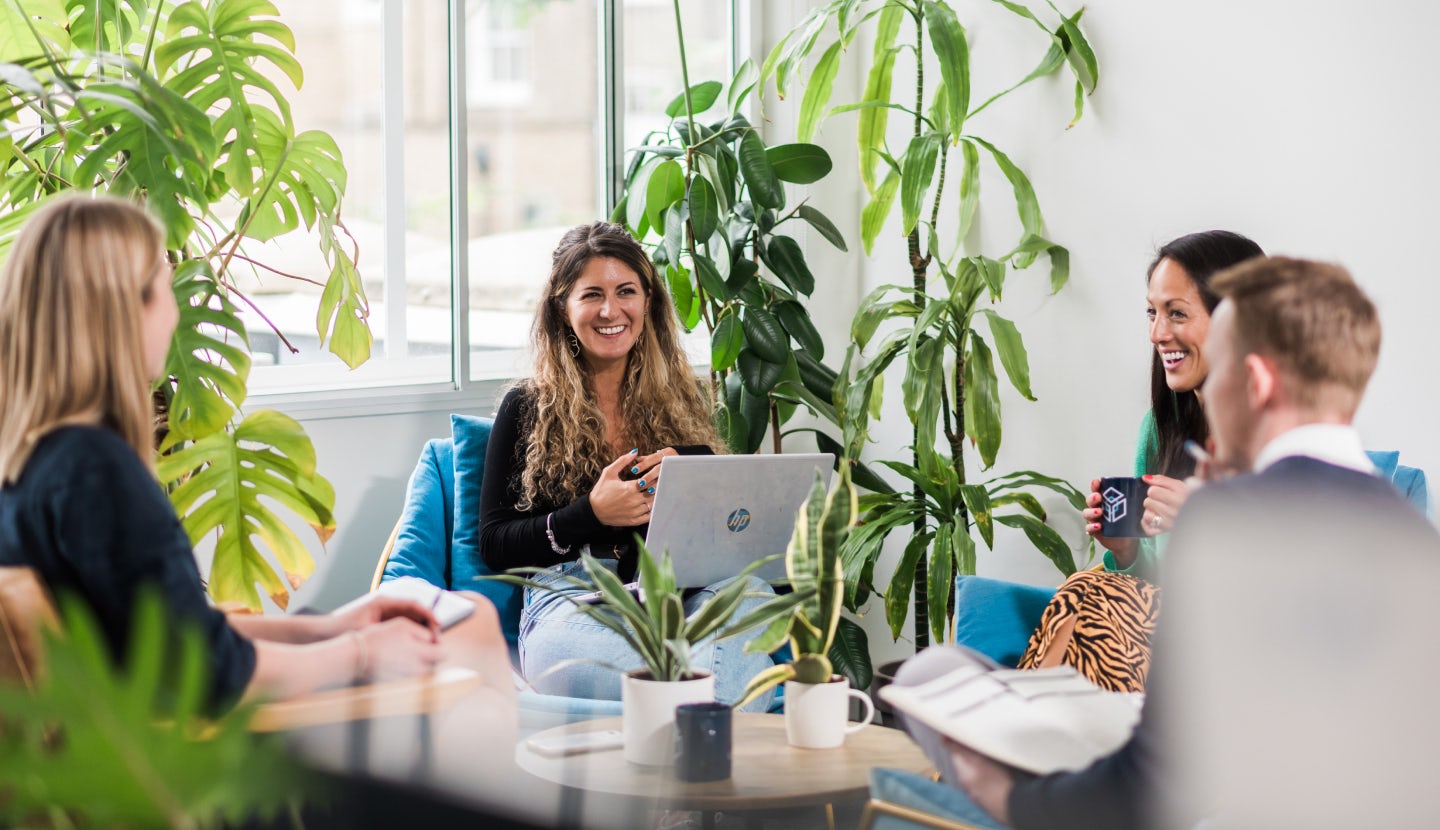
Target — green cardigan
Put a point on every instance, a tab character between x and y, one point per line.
1147	558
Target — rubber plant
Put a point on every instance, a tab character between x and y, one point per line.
940	324
707	195
181	106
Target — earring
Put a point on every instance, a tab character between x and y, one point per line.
574	343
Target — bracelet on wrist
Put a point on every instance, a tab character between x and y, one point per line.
550	534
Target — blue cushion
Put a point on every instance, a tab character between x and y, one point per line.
996	618
1410	481
422	546
472	438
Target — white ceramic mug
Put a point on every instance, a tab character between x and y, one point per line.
817	714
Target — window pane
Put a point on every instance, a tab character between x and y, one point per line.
652	57
532	90
340	44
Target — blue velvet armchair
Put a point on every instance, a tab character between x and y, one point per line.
438	540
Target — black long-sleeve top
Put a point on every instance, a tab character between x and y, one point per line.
512	538
92	521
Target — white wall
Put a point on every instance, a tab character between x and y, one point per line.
1305	125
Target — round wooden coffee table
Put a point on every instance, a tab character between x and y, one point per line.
766	772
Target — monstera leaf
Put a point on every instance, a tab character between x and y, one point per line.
208	368
180	105
344	310
16	38
221	480
217	50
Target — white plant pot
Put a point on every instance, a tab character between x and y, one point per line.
817	715
648	711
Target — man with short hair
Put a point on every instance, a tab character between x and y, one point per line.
1282	582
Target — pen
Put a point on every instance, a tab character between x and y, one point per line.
435	603
1197	452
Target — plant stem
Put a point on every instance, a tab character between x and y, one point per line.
684	69
918	267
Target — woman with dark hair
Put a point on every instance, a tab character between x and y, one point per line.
574	457
1179	303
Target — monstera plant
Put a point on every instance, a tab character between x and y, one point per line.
938	320
181	106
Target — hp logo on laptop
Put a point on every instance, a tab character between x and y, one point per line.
738	520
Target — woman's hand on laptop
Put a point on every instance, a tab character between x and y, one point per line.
621	503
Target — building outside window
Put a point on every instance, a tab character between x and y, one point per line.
529	135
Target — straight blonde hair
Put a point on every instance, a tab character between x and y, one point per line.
71	347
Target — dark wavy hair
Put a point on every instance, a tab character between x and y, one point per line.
1178	415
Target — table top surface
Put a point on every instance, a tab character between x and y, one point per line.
766	772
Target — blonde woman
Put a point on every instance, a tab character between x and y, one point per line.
86	318
573	460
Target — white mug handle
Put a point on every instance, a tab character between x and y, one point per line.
869	711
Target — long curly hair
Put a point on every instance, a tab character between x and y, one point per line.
661	400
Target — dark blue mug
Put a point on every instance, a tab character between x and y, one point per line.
702	741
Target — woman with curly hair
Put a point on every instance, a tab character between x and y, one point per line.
574	457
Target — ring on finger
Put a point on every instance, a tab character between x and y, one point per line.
1155	520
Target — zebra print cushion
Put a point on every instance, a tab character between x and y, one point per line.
1100	623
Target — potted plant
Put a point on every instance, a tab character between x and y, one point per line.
654	624
930	323
181	106
817	576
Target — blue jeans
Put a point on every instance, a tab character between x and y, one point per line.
588	659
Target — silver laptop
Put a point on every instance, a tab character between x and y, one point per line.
718	513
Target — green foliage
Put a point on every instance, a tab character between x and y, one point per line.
815	571
928	327
709	199
176	105
100	746
653	624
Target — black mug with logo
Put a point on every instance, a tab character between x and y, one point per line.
1122	506
702	741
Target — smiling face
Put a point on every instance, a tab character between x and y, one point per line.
1178	324
606	309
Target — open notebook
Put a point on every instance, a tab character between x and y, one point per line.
1040	721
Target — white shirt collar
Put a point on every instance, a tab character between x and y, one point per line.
1332	443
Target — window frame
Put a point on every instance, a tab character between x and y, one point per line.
463	392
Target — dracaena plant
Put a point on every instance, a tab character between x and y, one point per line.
707	195
940	324
814	570
653	624
182	106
